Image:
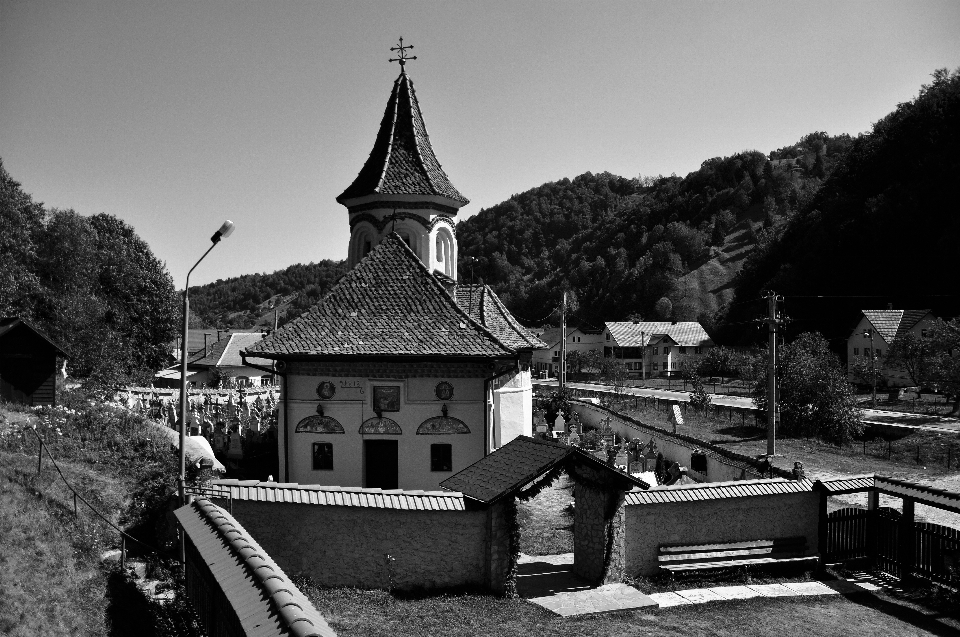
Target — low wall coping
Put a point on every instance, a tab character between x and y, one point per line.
717	491
264	599
294	493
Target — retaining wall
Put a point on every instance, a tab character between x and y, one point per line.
382	548
723	465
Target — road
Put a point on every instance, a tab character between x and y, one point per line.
874	416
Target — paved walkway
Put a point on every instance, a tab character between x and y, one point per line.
549	582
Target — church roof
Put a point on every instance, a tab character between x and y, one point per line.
389	305
402	161
483	306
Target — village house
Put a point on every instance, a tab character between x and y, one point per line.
400	376
655	348
647	348
220	362
875	333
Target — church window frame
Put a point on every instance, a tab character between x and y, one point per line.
445	251
441	457
323	456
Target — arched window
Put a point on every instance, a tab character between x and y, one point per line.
445	254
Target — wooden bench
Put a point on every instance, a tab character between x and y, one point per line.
706	556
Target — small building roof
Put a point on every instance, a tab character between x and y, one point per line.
684	333
891	324
261	595
293	493
402	161
518	463
11	323
226	351
389	305
483	306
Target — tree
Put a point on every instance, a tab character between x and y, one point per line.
914	354
21	221
663	309
815	398
945	363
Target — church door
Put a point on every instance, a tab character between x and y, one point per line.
380	464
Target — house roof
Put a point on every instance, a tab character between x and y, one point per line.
402	161
516	464
293	493
550	336
483	306
10	323
891	324
630	334
226	351
389	305
260	594
716	491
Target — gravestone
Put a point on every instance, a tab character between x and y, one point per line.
677	418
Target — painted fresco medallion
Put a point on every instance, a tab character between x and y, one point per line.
326	390
444	390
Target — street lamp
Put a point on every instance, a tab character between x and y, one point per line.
225	230
873	365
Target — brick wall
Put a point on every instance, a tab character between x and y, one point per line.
766	517
349	546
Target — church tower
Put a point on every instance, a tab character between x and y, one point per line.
402	188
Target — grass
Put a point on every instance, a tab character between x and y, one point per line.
353	612
546	522
50	577
910	452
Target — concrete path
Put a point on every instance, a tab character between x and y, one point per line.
879	416
549	582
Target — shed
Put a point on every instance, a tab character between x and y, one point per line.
28	363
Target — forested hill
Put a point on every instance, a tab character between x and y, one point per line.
883	228
251	299
625	245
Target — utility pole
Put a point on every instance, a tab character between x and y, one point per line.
563	342
772	322
643	357
873	365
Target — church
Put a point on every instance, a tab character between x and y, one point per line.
401	375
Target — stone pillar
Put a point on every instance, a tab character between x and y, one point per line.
499	559
598	527
589	531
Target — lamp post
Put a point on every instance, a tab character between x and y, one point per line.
873	365
225	230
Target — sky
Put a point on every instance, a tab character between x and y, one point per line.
176	115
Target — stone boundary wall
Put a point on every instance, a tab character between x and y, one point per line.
723	465
758	517
367	547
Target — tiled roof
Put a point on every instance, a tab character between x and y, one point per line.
551	336
402	161
717	491
685	333
256	491
515	464
226	351
389	305
10	323
262	597
891	324
483	306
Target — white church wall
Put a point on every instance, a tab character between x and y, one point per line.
513	408
352	404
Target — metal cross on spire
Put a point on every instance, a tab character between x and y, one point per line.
402	55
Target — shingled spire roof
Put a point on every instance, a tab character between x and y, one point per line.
389	305
402	161
486	308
